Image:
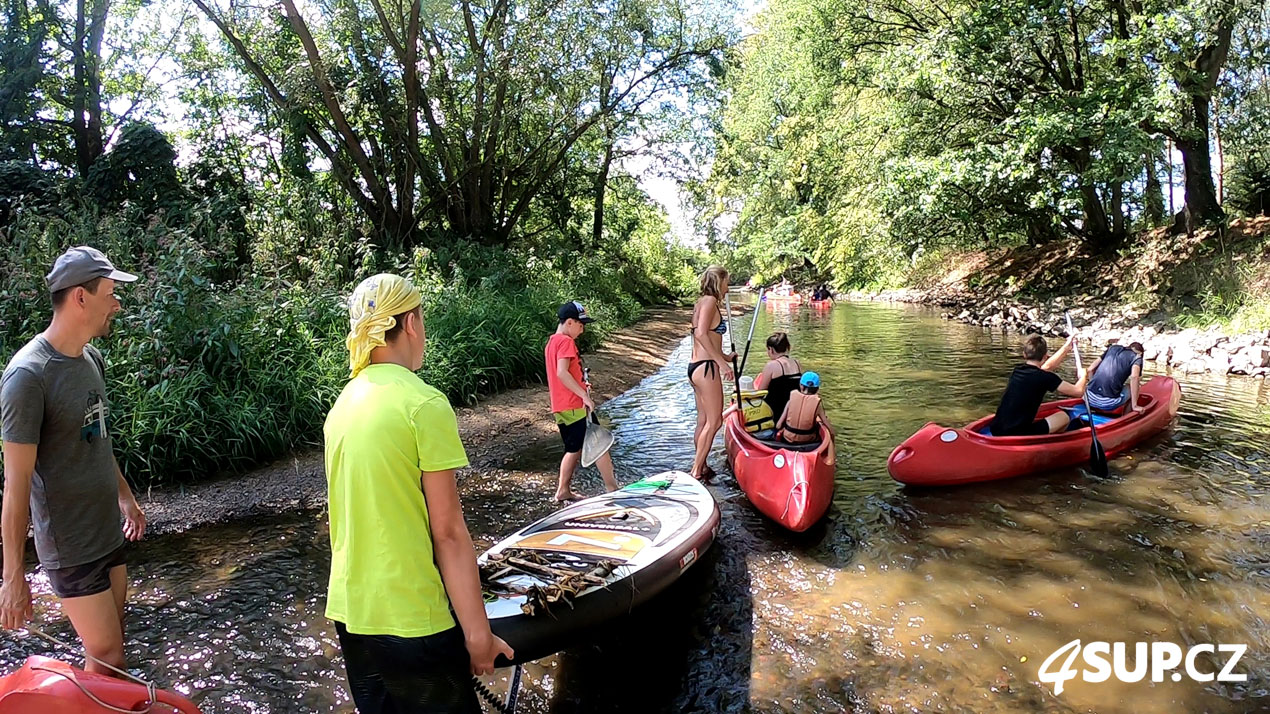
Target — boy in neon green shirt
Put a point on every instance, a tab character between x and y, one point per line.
401	555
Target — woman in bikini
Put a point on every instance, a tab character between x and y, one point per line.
709	365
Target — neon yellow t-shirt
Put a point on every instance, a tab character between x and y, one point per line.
386	427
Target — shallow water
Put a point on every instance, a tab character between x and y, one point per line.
901	600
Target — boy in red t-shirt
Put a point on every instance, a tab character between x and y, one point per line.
570	403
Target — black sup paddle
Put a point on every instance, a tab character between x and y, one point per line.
736	376
1097	457
750	338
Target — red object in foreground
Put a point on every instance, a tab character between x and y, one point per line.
789	486
820	304
946	456
49	686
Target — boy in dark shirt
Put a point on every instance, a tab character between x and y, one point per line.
1029	383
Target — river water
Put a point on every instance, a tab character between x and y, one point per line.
899	601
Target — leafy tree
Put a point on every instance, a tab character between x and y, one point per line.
855	135
461	115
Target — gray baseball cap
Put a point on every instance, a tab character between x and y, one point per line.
81	264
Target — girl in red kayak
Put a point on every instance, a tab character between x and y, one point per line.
799	422
709	365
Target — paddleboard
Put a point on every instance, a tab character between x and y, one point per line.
593	561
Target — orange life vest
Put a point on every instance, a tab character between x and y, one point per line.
800	418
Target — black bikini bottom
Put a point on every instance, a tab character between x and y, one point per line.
709	364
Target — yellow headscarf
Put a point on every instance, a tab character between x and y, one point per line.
371	308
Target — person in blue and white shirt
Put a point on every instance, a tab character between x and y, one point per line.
1108	391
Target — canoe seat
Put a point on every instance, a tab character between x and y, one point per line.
778	444
1080	417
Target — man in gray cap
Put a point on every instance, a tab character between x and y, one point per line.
59	469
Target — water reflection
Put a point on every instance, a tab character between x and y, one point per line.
901	600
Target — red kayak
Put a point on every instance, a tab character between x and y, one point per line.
49	686
821	304
944	456
791	484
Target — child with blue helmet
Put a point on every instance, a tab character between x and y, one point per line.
804	412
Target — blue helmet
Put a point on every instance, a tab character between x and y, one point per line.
810	379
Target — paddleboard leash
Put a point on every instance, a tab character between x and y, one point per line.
513	691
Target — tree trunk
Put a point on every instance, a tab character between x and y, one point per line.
1197	168
1198	82
1168	155
86	123
601	185
96	36
1154	195
1039	230
1117	211
1096	227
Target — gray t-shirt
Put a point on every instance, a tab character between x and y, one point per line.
59	403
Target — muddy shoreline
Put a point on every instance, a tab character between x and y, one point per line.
495	431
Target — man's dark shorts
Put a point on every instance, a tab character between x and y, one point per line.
409	674
1040	427
573	435
87	579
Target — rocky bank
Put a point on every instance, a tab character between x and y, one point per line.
1191	351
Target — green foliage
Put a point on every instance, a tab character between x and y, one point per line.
857	137
24	30
210	371
1246	120
468	118
488	165
20	182
139	170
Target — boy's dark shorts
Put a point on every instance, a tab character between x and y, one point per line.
87	579
573	435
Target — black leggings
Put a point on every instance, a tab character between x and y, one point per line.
409	675
710	368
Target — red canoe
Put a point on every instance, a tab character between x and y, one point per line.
49	686
943	456
821	304
792	485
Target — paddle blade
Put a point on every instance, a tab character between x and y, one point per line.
597	441
1098	459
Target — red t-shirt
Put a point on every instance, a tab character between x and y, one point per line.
563	347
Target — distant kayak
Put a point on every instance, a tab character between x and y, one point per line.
48	686
945	456
791	484
790	298
549	583
820	304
